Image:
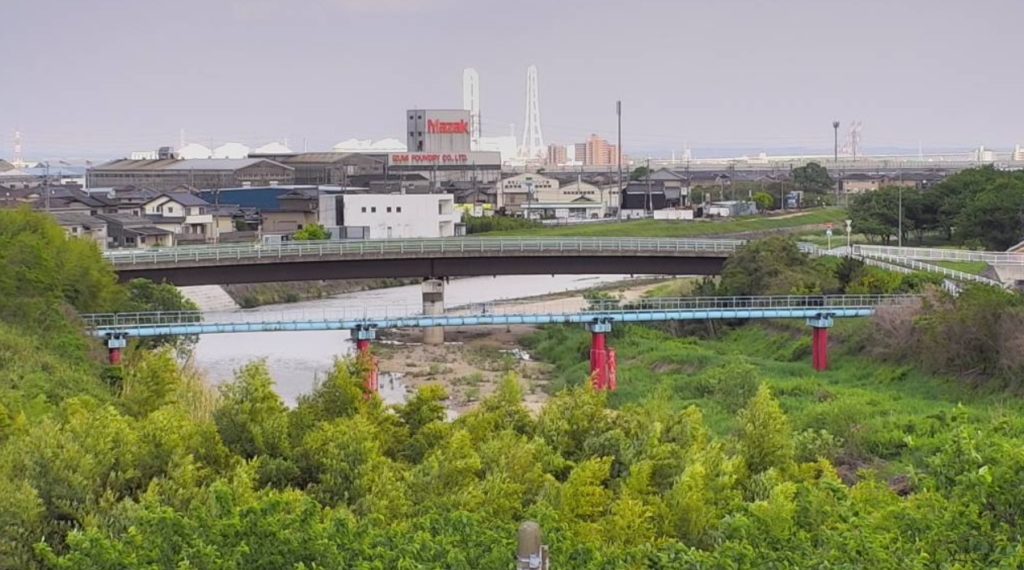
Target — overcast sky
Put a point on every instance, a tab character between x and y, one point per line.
105	77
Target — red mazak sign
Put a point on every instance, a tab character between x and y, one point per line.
435	127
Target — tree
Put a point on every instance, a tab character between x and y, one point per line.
995	216
639	173
876	214
764	201
813	177
252	419
773	266
312	232
765	436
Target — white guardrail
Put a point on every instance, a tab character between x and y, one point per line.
937	254
419	246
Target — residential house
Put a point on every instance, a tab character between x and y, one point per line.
83	225
295	210
183	213
675	185
128	231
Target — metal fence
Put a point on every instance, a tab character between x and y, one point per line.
557	307
399	248
912	265
936	254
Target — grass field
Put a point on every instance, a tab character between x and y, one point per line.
862	412
972	267
662	228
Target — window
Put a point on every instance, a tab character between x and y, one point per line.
398	209
364	209
373	209
389	209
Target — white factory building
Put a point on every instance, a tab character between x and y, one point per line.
390	216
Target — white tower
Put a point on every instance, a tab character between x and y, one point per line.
18	162
533	139
471	103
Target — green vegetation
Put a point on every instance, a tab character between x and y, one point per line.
639	173
249	295
813	178
977	207
699	228
312	232
776	266
482	224
972	267
715	453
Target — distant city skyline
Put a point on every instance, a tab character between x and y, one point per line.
101	78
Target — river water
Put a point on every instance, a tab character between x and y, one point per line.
295	359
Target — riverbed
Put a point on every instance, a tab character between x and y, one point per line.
297	359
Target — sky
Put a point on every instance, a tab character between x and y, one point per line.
101	78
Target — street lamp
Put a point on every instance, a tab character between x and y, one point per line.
835	146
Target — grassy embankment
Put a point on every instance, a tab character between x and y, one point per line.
250	295
974	267
697	228
862	412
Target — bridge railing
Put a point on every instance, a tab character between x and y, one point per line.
419	246
937	254
610	308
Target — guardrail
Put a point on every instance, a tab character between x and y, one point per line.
604	308
936	254
915	265
419	246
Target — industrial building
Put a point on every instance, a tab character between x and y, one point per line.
204	174
317	168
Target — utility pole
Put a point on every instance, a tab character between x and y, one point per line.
618	113
899	231
650	204
46	183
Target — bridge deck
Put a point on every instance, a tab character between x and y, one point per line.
697	308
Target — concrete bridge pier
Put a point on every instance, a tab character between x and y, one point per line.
819	343
366	359
116	343
433	305
603	374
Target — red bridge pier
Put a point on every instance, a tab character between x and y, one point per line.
366	358
116	343
603	374
819	341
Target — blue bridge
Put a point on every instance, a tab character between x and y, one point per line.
599	316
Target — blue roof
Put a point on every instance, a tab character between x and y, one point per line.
261	198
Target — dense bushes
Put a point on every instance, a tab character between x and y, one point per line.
343	483
482	224
978	335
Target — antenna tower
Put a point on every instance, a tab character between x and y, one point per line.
855	128
533	139
17	149
471	103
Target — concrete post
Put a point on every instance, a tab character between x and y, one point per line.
531	554
433	305
599	355
367	359
115	347
819	341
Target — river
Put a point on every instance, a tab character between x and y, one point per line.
295	359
